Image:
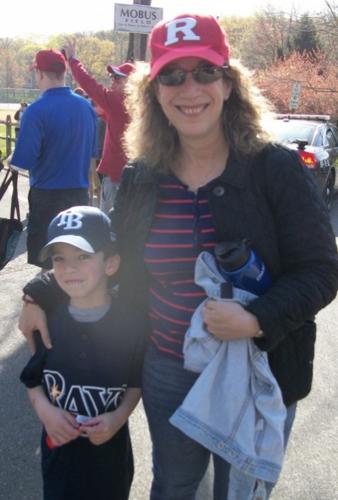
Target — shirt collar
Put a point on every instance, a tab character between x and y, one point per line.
234	173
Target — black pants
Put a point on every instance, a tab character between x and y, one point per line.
44	205
80	470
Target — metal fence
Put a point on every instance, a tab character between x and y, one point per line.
18	95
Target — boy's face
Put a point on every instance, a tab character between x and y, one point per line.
81	275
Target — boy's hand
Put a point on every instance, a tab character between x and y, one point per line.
60	425
103	427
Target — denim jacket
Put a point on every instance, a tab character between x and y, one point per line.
235	408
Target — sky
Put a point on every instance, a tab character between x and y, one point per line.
46	17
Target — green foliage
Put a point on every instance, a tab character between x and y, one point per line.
95	50
238	31
95	54
305	38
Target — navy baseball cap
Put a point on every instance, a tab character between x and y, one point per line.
83	227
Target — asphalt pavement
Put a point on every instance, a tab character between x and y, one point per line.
311	466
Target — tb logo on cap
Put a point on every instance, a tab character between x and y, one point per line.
70	220
183	25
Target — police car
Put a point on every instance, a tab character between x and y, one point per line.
315	139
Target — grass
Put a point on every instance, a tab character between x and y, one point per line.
3	114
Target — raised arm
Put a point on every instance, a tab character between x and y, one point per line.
104	97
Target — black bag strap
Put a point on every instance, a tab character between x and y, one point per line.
11	178
15	197
5	183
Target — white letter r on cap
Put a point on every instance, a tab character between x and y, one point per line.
184	25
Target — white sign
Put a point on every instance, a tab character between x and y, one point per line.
136	18
295	95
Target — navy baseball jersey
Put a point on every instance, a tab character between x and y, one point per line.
86	373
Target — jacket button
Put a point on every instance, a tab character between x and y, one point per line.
221	445
218	191
83	355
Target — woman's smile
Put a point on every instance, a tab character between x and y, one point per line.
198	103
192	110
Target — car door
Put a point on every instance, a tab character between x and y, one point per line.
331	145
322	170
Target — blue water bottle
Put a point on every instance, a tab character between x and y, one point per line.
240	265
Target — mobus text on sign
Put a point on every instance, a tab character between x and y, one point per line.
136	18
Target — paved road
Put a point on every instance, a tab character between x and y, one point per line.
311	465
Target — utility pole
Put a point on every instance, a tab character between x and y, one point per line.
137	46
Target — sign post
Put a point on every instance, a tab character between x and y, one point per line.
295	96
138	20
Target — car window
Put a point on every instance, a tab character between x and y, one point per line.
330	140
290	131
335	132
319	136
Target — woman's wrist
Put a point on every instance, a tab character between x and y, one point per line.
27	299
259	334
255	327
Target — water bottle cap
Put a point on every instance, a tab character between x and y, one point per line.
232	255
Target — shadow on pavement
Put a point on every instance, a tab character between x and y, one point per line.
20	429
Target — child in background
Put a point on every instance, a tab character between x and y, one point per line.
85	387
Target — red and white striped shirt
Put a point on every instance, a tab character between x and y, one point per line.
181	229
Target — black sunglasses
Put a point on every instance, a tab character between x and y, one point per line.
172	77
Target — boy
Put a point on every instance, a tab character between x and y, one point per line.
85	387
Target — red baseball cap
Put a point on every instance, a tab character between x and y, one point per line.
50	60
187	35
122	71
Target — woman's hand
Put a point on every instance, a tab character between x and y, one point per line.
33	318
229	320
103	427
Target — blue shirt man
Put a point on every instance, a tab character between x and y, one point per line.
56	143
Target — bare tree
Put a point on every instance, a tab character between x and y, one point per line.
269	40
327	30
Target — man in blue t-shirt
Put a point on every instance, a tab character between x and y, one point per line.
56	143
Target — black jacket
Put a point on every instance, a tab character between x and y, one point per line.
273	201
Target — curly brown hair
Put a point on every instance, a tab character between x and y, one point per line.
150	137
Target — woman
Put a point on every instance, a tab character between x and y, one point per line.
204	172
